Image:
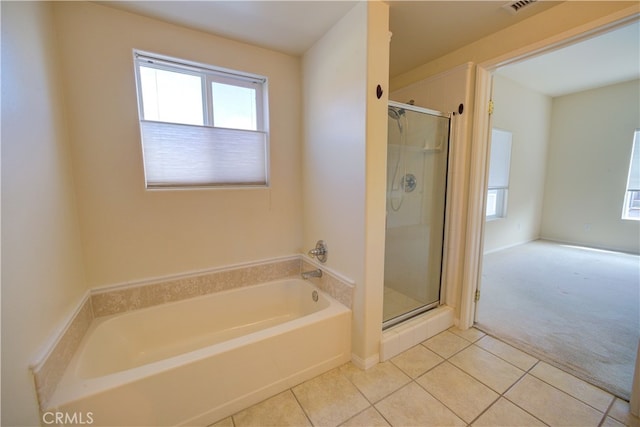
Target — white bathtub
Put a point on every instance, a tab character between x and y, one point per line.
199	360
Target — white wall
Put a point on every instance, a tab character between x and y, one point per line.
589	152
344	158
370	298
42	269
129	233
527	115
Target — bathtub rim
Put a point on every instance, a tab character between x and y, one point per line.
71	388
324	302
51	358
44	351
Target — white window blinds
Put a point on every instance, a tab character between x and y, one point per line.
185	155
500	159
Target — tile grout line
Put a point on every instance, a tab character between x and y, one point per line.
502	358
502	395
572	396
304	411
442	403
486	385
471	343
474	343
372	404
551	362
535	376
413	380
354	415
606	413
483	383
525	373
430	369
359	391
446	358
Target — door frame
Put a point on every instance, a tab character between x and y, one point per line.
480	143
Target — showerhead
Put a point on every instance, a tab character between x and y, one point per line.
396	113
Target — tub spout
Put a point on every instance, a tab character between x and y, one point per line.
312	273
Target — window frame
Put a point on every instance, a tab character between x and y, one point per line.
208	74
629	190
164	67
501	203
501	191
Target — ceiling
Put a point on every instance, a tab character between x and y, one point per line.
291	27
609	58
426	30
422	31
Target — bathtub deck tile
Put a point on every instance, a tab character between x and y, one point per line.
49	374
120	301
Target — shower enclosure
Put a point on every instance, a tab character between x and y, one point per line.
417	157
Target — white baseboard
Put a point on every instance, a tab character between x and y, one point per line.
365	363
513	245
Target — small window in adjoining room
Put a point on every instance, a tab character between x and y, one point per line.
201	126
499	163
631	206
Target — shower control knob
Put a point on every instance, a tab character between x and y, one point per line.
319	252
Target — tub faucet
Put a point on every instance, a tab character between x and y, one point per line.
312	273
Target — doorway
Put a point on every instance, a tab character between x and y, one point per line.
557	284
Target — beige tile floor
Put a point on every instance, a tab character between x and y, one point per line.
457	378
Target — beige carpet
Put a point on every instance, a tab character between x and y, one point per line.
576	308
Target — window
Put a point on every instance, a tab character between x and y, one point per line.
631	207
201	126
499	162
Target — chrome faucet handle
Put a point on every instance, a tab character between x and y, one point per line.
319	252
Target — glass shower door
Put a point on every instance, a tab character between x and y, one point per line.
417	157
